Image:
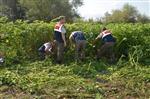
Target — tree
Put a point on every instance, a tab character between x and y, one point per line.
107	17
49	9
39	9
117	16
8	7
143	18
11	9
127	14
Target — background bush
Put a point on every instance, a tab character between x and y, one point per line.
21	39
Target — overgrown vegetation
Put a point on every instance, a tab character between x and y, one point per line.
24	76
20	39
34	10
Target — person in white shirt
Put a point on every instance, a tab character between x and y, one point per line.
46	48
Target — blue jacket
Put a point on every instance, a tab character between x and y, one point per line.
78	35
108	38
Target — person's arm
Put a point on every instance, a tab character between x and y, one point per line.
64	39
63	31
71	37
99	36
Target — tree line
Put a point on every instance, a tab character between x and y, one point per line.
49	9
128	14
39	9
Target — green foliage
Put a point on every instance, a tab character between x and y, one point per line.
20	39
51	9
128	14
44	77
95	80
11	9
39	10
90	79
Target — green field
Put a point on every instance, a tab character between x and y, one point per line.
23	76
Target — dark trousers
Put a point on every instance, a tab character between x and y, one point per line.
106	50
80	49
60	51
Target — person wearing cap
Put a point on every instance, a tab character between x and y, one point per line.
80	43
59	36
108	44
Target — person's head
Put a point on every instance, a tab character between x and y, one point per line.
103	29
62	19
46	40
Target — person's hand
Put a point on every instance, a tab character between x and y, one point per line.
47	51
94	46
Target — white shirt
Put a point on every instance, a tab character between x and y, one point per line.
63	30
48	46
1	60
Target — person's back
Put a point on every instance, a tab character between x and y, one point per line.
107	36
45	49
107	48
80	43
78	35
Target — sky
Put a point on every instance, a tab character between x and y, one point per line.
96	8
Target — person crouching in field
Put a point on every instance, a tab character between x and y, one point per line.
78	38
106	49
45	49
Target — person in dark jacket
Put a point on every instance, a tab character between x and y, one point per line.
106	50
59	36
46	48
80	43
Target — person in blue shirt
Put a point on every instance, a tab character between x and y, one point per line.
106	49
80	43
